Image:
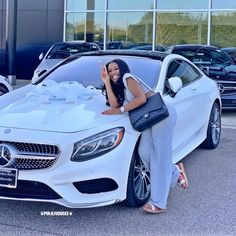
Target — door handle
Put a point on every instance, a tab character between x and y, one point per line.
195	87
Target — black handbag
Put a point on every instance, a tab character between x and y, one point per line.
150	113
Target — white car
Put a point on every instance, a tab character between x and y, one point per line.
56	146
61	50
5	86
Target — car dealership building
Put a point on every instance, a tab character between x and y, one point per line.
125	23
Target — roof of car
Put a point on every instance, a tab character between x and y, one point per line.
74	43
139	53
229	49
193	46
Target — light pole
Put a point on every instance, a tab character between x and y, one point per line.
11	22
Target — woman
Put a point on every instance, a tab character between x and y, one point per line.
125	92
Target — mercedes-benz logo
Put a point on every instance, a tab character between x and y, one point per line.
5	155
221	88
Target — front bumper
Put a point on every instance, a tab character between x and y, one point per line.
97	182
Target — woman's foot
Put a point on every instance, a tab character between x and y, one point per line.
150	208
182	180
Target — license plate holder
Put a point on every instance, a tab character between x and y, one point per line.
8	177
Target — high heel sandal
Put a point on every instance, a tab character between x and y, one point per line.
182	180
150	208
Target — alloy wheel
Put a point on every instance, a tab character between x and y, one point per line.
141	179
215	124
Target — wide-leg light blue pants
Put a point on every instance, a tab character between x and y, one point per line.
155	150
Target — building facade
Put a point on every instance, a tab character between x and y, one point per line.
115	24
39	25
142	22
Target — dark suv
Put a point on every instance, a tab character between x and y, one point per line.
216	64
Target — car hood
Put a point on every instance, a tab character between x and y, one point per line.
231	68
57	114
224	73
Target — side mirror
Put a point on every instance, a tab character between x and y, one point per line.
41	56
175	85
205	70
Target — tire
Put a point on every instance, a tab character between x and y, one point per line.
3	90
214	128
138	187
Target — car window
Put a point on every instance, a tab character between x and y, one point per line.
63	51
216	56
86	70
182	69
204	56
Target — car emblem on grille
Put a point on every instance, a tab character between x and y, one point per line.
6	155
221	88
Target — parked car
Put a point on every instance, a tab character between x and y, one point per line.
149	48
216	64
5	86
57	146
231	51
60	51
113	45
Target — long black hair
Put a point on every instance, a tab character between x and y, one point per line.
118	87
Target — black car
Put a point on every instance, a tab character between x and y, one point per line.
231	52
149	48
217	64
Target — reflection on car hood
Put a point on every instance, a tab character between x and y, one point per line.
56	116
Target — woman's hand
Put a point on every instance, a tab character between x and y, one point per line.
104	75
112	111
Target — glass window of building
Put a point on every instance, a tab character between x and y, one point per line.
220	4
223	29
130	5
181	28
127	30
182	4
83	5
85	26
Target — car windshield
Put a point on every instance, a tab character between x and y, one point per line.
62	51
205	56
86	70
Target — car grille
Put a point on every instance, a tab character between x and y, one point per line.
30	156
227	88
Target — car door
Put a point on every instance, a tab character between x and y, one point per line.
188	102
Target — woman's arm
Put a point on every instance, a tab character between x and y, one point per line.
110	94
138	93
139	98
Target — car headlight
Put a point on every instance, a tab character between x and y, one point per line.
97	145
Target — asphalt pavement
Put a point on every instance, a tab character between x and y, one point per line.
206	208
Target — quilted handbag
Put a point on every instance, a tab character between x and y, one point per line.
149	114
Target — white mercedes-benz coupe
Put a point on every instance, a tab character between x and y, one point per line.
56	146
